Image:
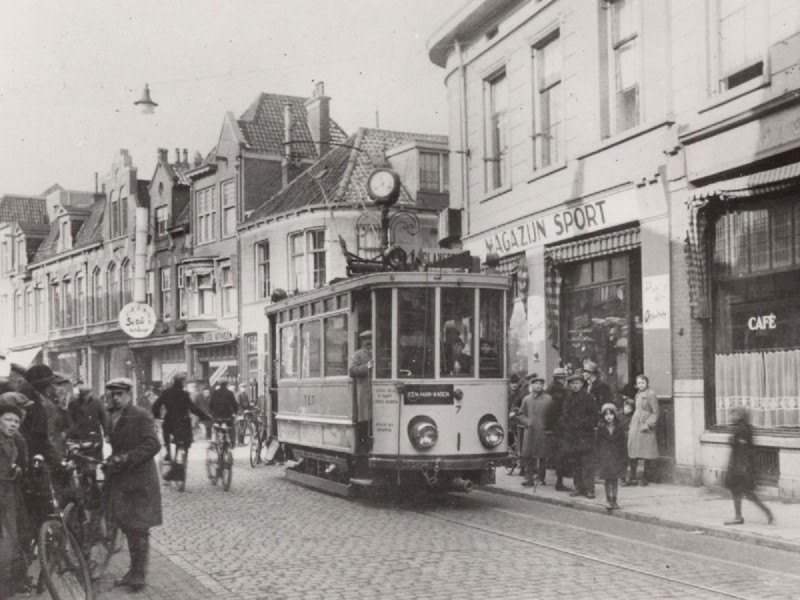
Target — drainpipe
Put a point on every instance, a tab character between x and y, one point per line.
140	255
464	151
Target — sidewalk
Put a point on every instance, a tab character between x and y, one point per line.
696	509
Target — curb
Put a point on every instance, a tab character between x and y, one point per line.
730	534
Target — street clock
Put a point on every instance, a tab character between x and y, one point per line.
383	186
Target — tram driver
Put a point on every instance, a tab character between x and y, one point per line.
361	371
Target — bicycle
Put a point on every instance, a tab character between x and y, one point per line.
258	441
180	463
63	566
87	512
219	456
514	461
247	425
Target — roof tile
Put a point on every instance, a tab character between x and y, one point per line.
29	209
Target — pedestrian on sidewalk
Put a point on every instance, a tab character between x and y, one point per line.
576	425
533	414
557	391
609	452
642	442
13	518
624	417
135	492
740	478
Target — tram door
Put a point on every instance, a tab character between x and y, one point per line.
272	377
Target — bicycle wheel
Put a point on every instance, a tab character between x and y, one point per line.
513	459
64	569
246	432
255	449
212	458
226	469
91	530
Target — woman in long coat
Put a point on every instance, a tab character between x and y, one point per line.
135	488
533	416
740	478
642	442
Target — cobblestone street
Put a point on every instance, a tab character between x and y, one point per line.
269	538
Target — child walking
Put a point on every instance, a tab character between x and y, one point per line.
610	452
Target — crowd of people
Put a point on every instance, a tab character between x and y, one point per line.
41	410
577	426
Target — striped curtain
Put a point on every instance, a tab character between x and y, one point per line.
695	248
553	301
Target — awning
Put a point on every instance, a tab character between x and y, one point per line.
598	245
23	358
715	198
755	184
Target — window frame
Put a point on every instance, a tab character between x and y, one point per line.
302	262
496	128
631	41
546	88
226	287
205	211
162	219
442	171
228	207
263	270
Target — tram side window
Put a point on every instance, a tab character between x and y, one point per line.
415	332
458	310
336	354
288	352
383	334
492	348
310	349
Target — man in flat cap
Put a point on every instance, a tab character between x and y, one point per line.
597	388
361	371
577	422
558	392
135	491
533	414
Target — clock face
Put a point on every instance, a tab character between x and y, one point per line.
382	184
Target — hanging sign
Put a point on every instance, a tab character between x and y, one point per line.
137	319
655	302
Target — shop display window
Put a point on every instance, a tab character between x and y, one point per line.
756	321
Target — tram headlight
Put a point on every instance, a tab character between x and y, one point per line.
423	433
490	432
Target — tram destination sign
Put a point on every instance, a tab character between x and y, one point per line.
428	393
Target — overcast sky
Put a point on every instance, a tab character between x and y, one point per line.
70	72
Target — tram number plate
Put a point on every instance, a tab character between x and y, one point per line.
439	393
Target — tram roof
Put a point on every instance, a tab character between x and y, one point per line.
394	279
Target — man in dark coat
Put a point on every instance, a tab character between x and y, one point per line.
576	425
135	491
222	407
88	420
361	371
597	388
558	391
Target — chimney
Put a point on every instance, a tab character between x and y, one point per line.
177	156
162	155
198	159
289	169
185	157
318	109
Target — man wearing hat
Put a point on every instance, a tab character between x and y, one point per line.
13	525
88	420
361	371
533	417
557	390
576	425
41	425
135	491
597	388
222	406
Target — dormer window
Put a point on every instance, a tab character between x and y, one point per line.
64	241
434	172
21	254
161	220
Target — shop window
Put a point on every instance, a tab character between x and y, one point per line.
336	351
415	332
756	314
310	354
457	352
601	321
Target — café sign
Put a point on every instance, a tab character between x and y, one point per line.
762	322
137	319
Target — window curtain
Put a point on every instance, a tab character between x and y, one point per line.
552	291
763	382
695	248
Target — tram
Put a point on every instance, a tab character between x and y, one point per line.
430	412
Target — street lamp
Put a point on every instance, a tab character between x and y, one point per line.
145	103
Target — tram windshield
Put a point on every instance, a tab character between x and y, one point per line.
463	339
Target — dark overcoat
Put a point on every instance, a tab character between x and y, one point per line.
178	405
135	487
610	451
601	392
740	476
576	424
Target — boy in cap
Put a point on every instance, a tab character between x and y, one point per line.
134	444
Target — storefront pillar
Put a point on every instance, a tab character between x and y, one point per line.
656	314
543	358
